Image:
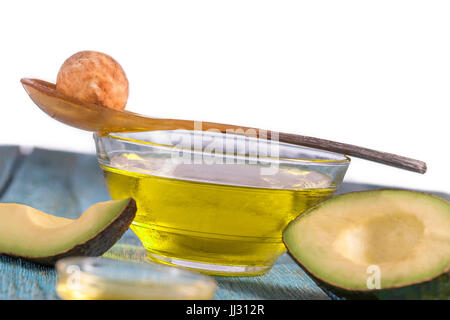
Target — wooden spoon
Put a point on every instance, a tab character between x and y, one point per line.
92	117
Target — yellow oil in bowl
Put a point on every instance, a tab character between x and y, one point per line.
217	218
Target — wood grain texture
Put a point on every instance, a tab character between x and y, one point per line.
9	156
66	184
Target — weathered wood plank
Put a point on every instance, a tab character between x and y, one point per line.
286	281
66	184
56	182
9	156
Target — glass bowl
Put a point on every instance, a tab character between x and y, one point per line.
88	278
214	202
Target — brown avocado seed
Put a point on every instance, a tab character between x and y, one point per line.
94	77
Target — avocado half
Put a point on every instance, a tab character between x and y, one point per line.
402	237
31	234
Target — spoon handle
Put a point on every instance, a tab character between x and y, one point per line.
386	158
92	117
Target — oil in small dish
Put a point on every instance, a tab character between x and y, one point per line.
89	278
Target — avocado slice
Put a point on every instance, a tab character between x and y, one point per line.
403	236
31	234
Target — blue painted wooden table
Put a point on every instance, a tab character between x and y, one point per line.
65	184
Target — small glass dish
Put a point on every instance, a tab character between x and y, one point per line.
89	278
215	202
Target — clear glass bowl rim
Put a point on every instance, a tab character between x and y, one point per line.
165	271
344	161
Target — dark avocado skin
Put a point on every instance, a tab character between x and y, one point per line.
435	289
336	292
99	243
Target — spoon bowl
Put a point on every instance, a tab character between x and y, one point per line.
92	117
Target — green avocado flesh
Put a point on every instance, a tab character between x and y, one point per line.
401	237
34	235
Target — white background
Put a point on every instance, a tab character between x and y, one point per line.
370	73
